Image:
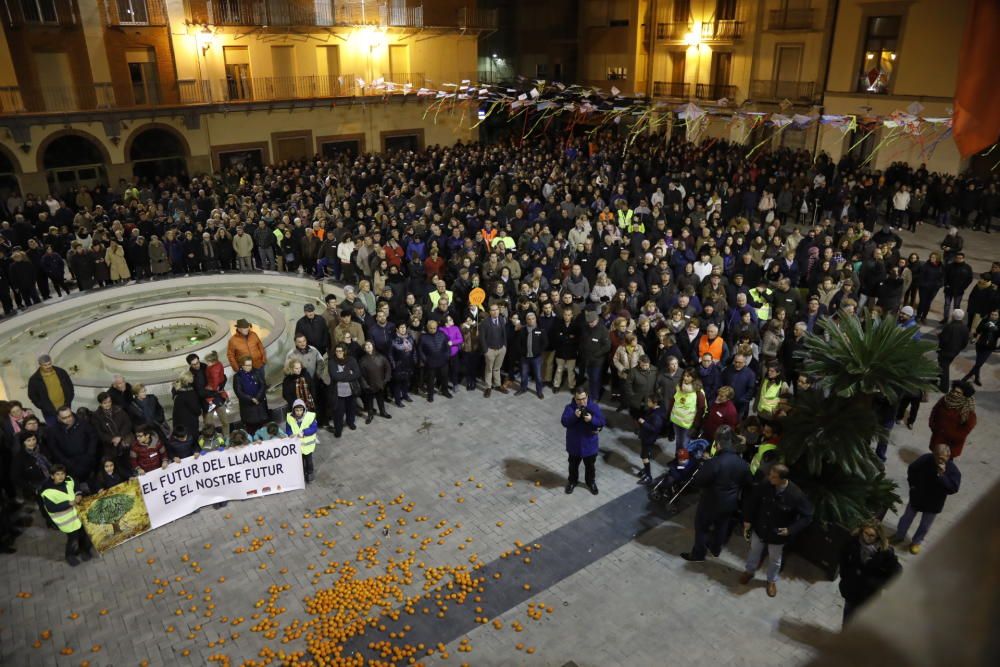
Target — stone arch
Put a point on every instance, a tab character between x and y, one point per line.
47	142
10	156
170	129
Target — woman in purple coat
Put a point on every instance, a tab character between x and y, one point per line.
583	421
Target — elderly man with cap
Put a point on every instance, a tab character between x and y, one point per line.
954	338
245	343
50	388
313	328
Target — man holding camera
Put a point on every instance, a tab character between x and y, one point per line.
583	421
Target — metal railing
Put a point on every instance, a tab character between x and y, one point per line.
263	13
474	18
481	76
399	79
263	88
766	89
39	12
674	31
715	91
194	91
671	89
722	30
135	12
10	100
791	19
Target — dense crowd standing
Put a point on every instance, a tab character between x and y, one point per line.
672	281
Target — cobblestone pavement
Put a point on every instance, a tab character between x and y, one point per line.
618	591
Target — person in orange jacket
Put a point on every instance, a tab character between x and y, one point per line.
245	343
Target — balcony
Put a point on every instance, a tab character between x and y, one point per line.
677	89
398	79
673	32
10	100
289	13
796	91
722	31
474	18
135	12
55	13
791	19
269	88
715	91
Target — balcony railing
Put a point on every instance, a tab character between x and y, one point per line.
675	31
135	12
481	76
765	89
285	13
791	19
722	30
671	89
10	100
715	91
472	18
58	13
264	88
398	79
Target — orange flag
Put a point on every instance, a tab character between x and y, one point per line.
976	120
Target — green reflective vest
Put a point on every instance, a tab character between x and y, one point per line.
685	408
625	219
764	307
770	396
307	443
67	520
758	458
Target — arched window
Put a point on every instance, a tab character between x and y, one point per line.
72	161
156	152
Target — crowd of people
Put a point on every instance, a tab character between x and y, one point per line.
671	281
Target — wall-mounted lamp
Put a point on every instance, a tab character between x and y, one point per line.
115	140
205	38
693	38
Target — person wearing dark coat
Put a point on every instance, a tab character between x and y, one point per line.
952	340
187	405
565	339
314	328
380	333
24	278
595	345
957	278
867	564
433	353
114	429
42	390
31	465
83	266
722	480
403	359
345	384
251	392
530	344
743	380
775	513
583	422
376	372
73	443
145	408
929	283
650	429
932	478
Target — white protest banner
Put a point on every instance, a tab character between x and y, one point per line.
260	469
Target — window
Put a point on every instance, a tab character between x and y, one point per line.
142	76
39	11
617	73
132	12
542	71
878	61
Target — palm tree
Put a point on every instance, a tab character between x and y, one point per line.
858	362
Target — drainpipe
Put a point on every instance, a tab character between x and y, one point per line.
652	49
827	54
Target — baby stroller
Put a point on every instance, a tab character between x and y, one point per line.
680	473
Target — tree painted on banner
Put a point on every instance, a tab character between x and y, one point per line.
111	510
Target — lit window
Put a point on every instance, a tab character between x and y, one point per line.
879	60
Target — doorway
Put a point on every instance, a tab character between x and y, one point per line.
404	140
142	76
72	162
238	81
787	66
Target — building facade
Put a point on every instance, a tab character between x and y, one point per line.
100	90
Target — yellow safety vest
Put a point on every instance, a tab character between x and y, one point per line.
763	310
435	296
770	396
307	443
685	408
625	219
67	520
758	458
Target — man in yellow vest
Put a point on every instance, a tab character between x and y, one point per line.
760	299
302	424
60	498
767	451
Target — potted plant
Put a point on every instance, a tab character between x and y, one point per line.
859	364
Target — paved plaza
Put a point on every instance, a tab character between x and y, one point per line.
592	580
